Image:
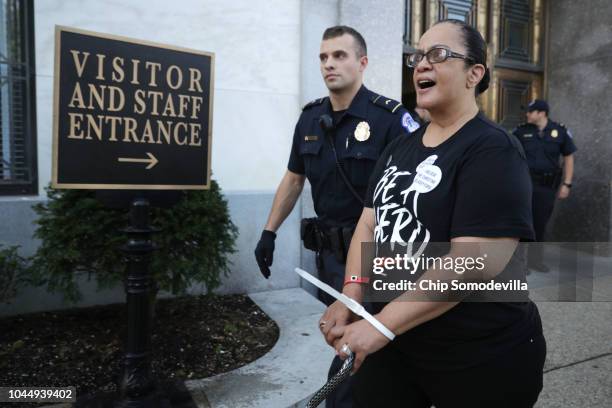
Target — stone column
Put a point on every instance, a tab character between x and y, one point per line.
317	15
382	26
579	82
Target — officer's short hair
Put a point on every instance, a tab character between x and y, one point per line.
340	30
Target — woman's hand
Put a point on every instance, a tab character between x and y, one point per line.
362	338
336	315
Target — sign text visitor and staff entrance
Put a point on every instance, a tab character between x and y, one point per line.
130	114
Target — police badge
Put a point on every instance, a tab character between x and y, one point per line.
362	131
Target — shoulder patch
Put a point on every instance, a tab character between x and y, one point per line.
386	103
566	129
313	103
409	123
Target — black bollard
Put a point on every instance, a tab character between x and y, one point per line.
138	388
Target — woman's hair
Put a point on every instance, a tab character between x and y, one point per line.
476	50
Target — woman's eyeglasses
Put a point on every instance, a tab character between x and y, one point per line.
434	56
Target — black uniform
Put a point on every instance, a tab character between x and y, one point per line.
360	135
374	119
543	150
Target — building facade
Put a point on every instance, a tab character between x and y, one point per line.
267	68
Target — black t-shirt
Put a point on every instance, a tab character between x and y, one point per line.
476	183
337	115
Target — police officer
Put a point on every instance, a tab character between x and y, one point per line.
336	143
545	142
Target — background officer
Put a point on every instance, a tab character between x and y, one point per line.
336	143
545	142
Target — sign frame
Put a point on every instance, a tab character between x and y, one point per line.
55	117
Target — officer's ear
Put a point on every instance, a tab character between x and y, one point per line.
363	62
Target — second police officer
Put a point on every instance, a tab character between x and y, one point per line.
336	143
545	142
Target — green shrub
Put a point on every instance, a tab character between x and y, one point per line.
81	236
12	271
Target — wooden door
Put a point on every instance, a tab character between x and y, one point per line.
514	31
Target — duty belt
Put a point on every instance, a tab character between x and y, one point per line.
318	237
546	179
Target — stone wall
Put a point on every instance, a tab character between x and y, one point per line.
579	80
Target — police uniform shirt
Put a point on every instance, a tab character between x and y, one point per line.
543	149
361	133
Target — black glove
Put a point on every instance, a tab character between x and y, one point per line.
265	251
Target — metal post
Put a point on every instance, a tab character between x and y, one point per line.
138	389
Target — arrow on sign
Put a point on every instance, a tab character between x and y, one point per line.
152	160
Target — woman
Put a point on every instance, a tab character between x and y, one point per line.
448	354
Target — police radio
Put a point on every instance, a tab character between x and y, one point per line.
327	123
